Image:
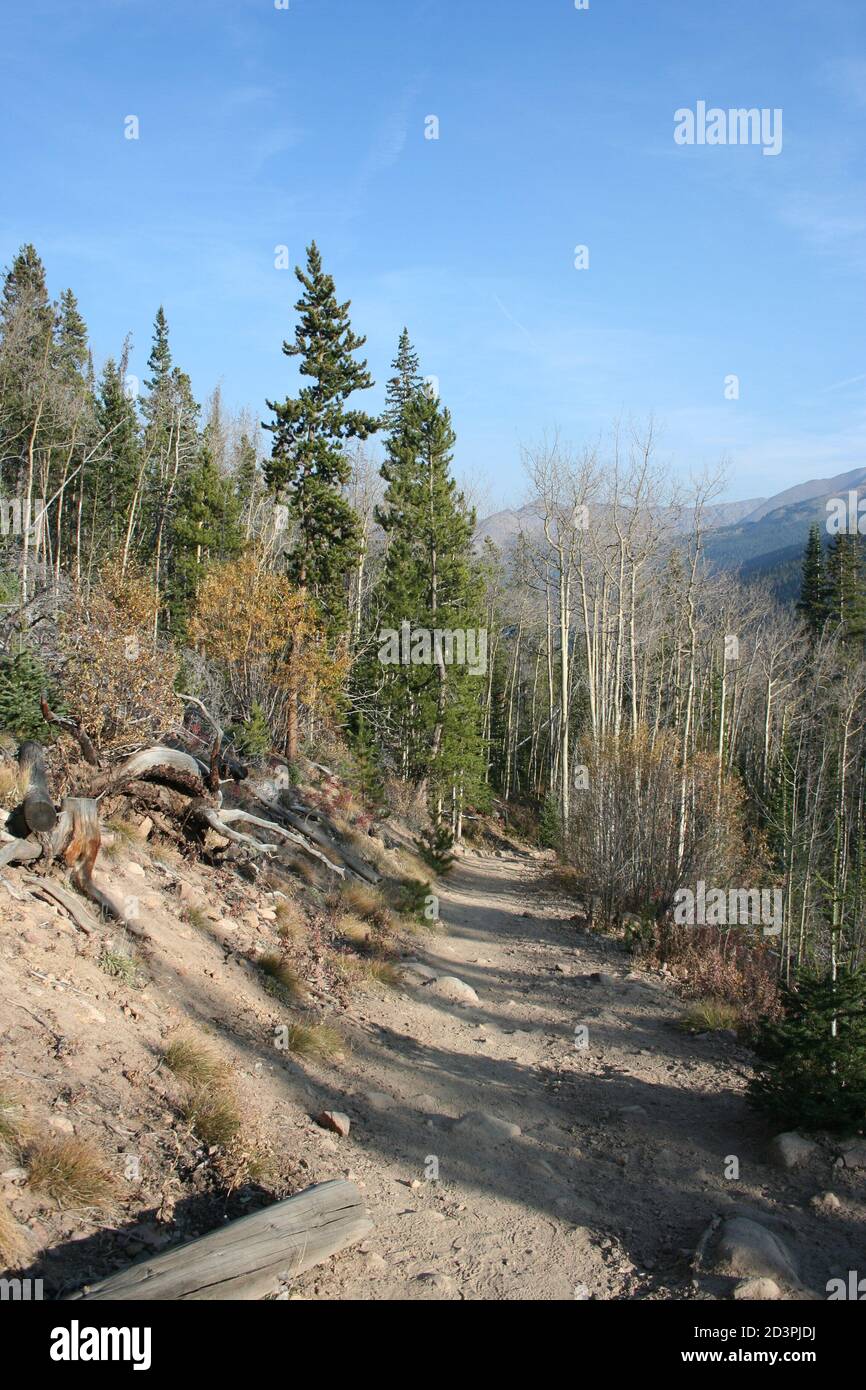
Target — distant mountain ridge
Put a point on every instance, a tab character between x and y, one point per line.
755	537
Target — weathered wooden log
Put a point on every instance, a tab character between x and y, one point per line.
37	806
227	816
249	1258
47	888
19	852
310	825
162	764
76	839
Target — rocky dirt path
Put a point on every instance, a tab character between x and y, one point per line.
500	1160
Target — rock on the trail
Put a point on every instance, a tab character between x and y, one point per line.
766	1289
746	1249
825	1201
854	1153
791	1150
599	977
481	1125
457	991
335	1120
377	1100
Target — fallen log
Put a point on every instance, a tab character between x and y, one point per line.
309	823
77	839
47	888
227	816
249	1258
19	852
37	807
170	765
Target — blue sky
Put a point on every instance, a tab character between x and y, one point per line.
261	127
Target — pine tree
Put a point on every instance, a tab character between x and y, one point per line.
812	603
431	581
71	352
114	476
26	324
205	531
308	465
246	479
159	361
403	386
812	1069
172	448
22	684
846	588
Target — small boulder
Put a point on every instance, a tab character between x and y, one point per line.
378	1100
766	1290
854	1153
746	1249
456	991
791	1150
825	1201
481	1125
335	1120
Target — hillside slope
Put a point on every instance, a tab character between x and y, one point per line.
613	1165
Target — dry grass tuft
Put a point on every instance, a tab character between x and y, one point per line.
13	785
316	1040
211	1109
14	1247
121	965
193	1063
213	1113
281	976
14	1128
161	852
70	1171
291	923
711	1015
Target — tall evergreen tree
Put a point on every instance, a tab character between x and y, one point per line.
114	474
308	465
812	603
431	581
26	325
403	385
70	338
206	530
846	588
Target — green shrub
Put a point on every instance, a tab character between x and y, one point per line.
22	681
252	737
550	825
811	1076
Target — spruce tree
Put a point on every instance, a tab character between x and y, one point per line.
812	603
431	581
71	353
22	684
26	325
205	531
308	467
846	588
403	386
114	476
812	1068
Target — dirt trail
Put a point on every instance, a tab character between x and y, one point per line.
621	1157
